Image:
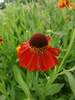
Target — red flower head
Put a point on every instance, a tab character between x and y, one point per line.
36	54
63	3
1	40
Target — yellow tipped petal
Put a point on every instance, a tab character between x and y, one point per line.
17	49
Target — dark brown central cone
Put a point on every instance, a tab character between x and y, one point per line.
38	40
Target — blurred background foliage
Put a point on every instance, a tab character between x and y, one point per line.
18	22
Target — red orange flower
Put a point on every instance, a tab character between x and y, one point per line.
63	3
36	54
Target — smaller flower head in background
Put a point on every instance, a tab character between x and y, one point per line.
66	3
63	3
1	40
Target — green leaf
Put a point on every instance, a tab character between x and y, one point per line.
52	76
2	88
2	97
53	89
20	81
71	80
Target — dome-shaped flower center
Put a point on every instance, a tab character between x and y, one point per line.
38	40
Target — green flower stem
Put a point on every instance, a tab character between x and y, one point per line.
37	74
68	50
21	82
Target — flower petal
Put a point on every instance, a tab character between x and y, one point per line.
48	60
24	58
43	63
23	48
34	63
24	55
54	51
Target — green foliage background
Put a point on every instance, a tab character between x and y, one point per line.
18	22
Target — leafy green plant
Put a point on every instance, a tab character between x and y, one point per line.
18	22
